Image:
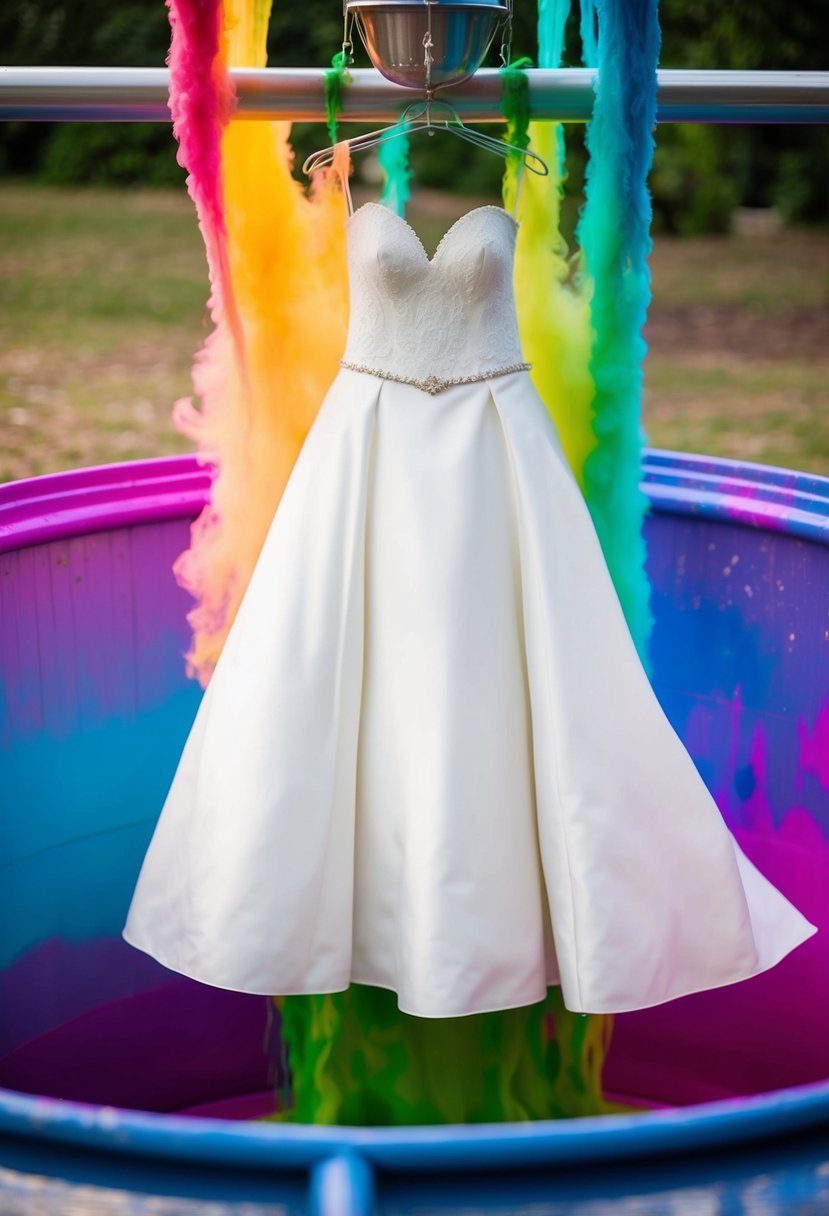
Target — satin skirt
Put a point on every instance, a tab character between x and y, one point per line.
429	759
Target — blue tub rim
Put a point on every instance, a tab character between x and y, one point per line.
82	501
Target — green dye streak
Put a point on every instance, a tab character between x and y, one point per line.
357	1060
335	78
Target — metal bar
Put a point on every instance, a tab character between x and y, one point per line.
296	94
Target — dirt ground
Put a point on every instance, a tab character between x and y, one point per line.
698	331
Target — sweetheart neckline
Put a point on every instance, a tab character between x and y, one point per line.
447	233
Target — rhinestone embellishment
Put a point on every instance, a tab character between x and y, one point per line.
436	384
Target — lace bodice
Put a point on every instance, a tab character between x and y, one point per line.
442	319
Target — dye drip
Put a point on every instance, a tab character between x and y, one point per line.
355	1059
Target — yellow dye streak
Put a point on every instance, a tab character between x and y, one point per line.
286	253
553	305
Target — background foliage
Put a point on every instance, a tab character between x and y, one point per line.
700	173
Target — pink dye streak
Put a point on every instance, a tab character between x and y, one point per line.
814	746
201	102
767	1032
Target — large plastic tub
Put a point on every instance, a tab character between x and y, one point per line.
118	1073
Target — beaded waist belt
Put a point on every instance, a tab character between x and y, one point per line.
436	384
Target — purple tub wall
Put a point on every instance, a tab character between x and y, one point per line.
94	708
741	665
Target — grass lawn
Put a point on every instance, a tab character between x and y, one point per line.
102	305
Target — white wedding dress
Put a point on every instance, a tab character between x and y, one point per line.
429	758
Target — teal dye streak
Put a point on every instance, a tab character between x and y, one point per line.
552	20
614	233
394	161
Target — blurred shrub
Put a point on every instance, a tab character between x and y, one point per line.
691	187
110	154
800	193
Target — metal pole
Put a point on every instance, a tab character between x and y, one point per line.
296	94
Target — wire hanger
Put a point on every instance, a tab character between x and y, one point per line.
421	116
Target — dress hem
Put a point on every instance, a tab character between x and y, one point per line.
596	1011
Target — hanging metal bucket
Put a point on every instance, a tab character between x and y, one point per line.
395	33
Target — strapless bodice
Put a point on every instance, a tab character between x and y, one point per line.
444	319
